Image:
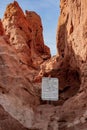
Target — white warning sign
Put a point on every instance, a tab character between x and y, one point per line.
49	89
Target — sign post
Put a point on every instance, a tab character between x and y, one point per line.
49	89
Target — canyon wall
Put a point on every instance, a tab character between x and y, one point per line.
69	65
71	34
72	29
25	59
22	50
71	47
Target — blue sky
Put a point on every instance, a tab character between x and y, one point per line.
49	13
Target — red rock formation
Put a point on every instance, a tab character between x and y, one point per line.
71	45
21	45
76	48
71	34
17	93
18	56
70	65
25	34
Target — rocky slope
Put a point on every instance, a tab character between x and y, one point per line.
16	90
22	50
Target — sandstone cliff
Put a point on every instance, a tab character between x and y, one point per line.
25	34
17	94
22	50
70	65
70	62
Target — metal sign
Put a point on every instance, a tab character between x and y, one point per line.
49	89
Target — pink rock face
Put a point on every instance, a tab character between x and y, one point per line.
71	46
17	93
72	29
71	35
70	65
19	57
25	34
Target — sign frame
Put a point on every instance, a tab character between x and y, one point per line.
50	89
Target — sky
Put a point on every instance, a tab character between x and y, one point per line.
49	13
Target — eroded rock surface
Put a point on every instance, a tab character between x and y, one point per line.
25	34
17	94
70	64
8	122
19	57
22	51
